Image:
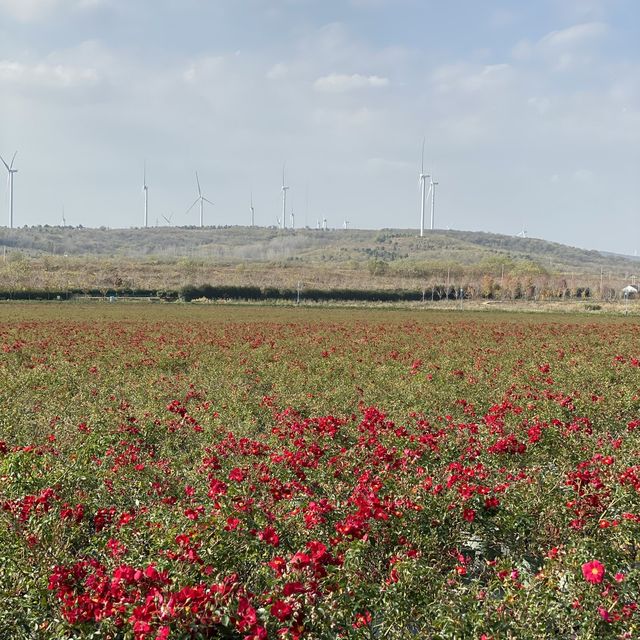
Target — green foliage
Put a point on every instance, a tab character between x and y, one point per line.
383	474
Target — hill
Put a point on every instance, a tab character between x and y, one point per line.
163	257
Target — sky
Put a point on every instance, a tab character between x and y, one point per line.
531	113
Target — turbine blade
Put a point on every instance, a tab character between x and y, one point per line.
422	162
5	164
198	181
144	174
207	200
195	202
12	159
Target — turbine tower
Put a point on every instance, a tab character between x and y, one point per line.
432	192
200	199
252	211
293	219
11	171
422	179
145	190
346	224
284	201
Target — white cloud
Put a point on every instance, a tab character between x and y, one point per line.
30	10
523	50
341	83
470	78
564	49
344	118
583	175
542	105
576	35
277	71
583	9
502	18
47	75
464	129
203	68
571	38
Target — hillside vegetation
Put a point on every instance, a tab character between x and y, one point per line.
488	265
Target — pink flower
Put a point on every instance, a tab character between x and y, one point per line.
593	571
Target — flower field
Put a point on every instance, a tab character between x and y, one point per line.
174	471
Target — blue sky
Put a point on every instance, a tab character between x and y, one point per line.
531	112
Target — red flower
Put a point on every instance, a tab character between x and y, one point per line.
593	571
257	632
237	474
269	535
247	616
281	610
278	564
292	588
604	614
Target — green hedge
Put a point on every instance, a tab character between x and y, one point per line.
249	293
314	295
43	294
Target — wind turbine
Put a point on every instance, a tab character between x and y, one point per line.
64	220
432	193
324	224
11	171
422	179
167	219
252	210
284	201
201	199
293	219
145	190
346	224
